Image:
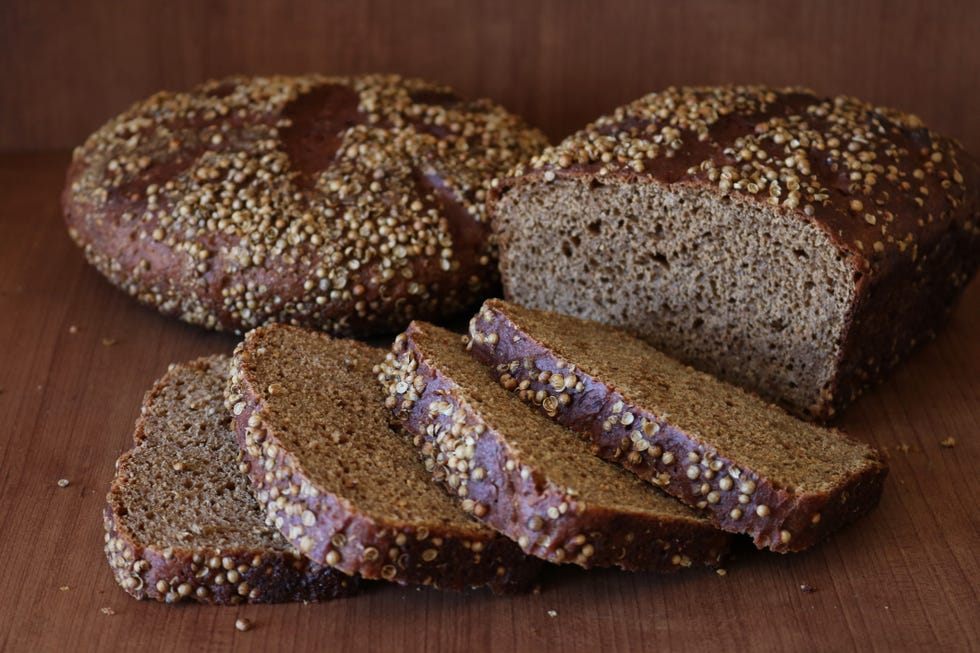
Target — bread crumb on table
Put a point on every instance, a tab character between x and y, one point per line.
108	342
64	588
243	624
552	613
806	588
108	611
948	443
63	482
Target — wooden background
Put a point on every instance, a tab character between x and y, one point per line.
904	578
69	66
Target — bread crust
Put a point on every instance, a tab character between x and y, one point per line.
546	519
146	572
775	518
329	529
901	203
348	204
205	574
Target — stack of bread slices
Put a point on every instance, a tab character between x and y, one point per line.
304	462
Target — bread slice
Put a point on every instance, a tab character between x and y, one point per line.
528	477
753	467
181	522
340	484
797	245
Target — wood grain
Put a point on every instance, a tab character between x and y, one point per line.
69	66
904	578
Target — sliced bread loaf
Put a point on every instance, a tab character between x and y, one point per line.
339	483
794	244
181	522
755	468
528	477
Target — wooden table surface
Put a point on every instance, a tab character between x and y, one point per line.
77	356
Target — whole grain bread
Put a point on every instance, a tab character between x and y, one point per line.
339	483
181	522
798	245
527	477
349	204
754	468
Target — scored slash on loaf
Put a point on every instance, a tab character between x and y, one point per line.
339	484
752	467
527	477
796	245
181	522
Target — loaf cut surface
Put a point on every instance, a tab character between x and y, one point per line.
796	245
529	478
753	467
181	522
348	204
339	483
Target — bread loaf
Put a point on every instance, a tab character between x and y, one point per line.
181	522
750	466
349	204
344	488
794	244
527	477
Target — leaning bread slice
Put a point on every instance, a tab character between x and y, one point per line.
339	483
529	478
182	523
757	469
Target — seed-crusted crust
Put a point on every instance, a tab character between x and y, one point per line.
475	461
329	529
621	429
347	204
207	574
900	202
178	574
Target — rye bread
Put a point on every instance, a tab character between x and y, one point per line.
339	483
181	522
527	477
753	467
797	245
348	204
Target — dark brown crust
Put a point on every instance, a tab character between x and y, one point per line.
226	576
543	517
794	521
333	528
910	263
302	206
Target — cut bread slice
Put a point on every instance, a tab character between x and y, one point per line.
339	483
181	522
755	468
529	478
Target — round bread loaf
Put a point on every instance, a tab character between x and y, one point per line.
352	205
